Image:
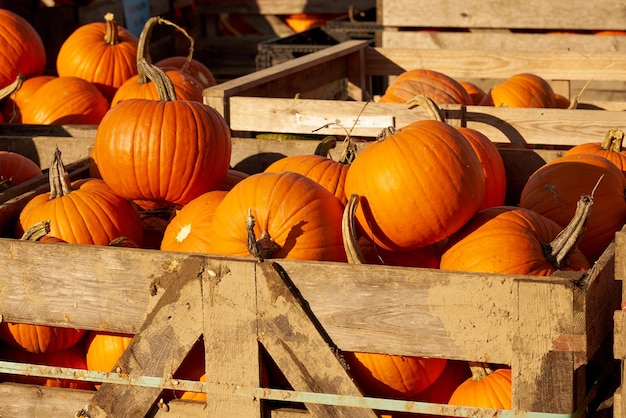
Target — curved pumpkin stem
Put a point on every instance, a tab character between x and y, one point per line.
11	89
58	177
325	145
567	240
144	43
163	83
111	37
261	248
348	231
37	231
613	140
429	106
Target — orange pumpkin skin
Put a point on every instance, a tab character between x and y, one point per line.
476	93
186	87
195	68
521	90
417	187
611	149
21	48
506	240
493	391
72	357
437	86
39	338
328	173
90	214
17	100
232	177
189	230
104	349
102	53
493	167
455	373
299	214
16	168
393	376
424	257
65	100
144	137
555	188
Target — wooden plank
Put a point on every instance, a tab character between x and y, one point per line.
230	337
524	14
286	327
18	400
164	340
281	7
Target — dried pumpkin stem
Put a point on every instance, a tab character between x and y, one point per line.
613	140
261	248
325	145
12	88
111	36
348	231
479	370
58	177
37	231
163	83
431	108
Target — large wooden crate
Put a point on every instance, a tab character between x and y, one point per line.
550	330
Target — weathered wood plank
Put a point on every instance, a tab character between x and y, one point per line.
524	14
281	7
18	400
286	327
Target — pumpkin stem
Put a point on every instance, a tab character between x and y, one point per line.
613	140
12	88
431	108
325	145
262	248
348	231
567	240
111	37
163	83
58	177
37	231
123	242
144	43
479	370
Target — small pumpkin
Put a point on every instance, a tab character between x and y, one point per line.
102	53
439	87
39	338
16	169
611	148
476	93
521	90
486	388
190	66
103	350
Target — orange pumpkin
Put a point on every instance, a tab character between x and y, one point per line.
193	67
485	389
610	148
16	168
476	93
87	211
418	186
145	137
39	338
22	49
189	230
437	86
17	100
232	177
521	90
65	100
102	53
104	350
291	215
555	188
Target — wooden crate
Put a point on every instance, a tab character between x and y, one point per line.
549	330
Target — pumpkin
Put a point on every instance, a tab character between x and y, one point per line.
485	389
102	53
232	177
453	375
72	357
554	189
147	138
193	67
418	186
292	216
18	99
318	167
521	90
39	338
513	240
610	148
16	169
476	93
21	48
87	211
103	350
492	164
300	22
437	86
65	100
141	86
189	230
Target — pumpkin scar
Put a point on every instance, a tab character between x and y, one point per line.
551	188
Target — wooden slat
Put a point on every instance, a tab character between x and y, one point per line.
17	400
529	14
281	7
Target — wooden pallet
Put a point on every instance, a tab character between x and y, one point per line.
302	314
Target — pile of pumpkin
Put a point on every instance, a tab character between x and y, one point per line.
428	195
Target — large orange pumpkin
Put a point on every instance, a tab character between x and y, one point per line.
167	151
21	48
521	90
102	53
17	100
87	211
16	168
437	86
65	100
417	186
290	213
485	389
555	188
